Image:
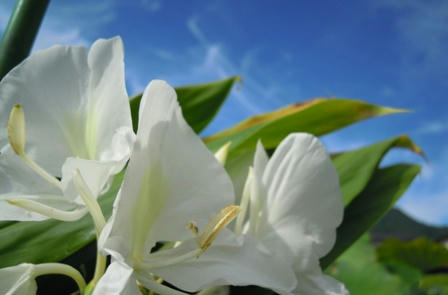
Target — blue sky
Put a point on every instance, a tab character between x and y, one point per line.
384	52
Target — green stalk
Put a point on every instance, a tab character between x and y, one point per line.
19	35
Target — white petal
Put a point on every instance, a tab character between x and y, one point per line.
118	280
228	262
304	204
320	284
158	103
171	179
50	85
95	173
260	160
108	105
18	280
73	101
147	281
16	177
18	181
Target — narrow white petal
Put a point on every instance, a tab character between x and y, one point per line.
108	102
119	279
260	160
18	280
304	204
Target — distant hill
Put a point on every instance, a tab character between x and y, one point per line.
397	224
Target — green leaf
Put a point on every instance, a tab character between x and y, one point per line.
51	240
199	103
356	167
380	194
420	253
319	116
358	269
19	35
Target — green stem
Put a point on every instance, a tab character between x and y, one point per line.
59	268
19	35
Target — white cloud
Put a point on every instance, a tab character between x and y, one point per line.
163	54
433	127
151	5
216	63
423	28
192	25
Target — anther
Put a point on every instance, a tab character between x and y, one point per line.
220	221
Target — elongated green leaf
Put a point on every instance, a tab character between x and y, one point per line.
50	240
319	116
358	269
356	167
19	35
199	103
420	253
380	194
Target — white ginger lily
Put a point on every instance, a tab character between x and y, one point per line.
70	112
21	279
294	205
173	181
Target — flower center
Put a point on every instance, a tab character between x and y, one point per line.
204	241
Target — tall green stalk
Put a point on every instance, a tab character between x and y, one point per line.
19	35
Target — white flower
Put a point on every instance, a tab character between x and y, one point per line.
294	205
173	181
21	279
70	111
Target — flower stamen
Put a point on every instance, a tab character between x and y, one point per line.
17	140
48	211
220	221
193	227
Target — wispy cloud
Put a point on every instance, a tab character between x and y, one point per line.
217	63
193	27
423	28
151	5
433	127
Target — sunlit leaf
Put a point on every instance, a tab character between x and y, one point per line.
319	116
356	167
